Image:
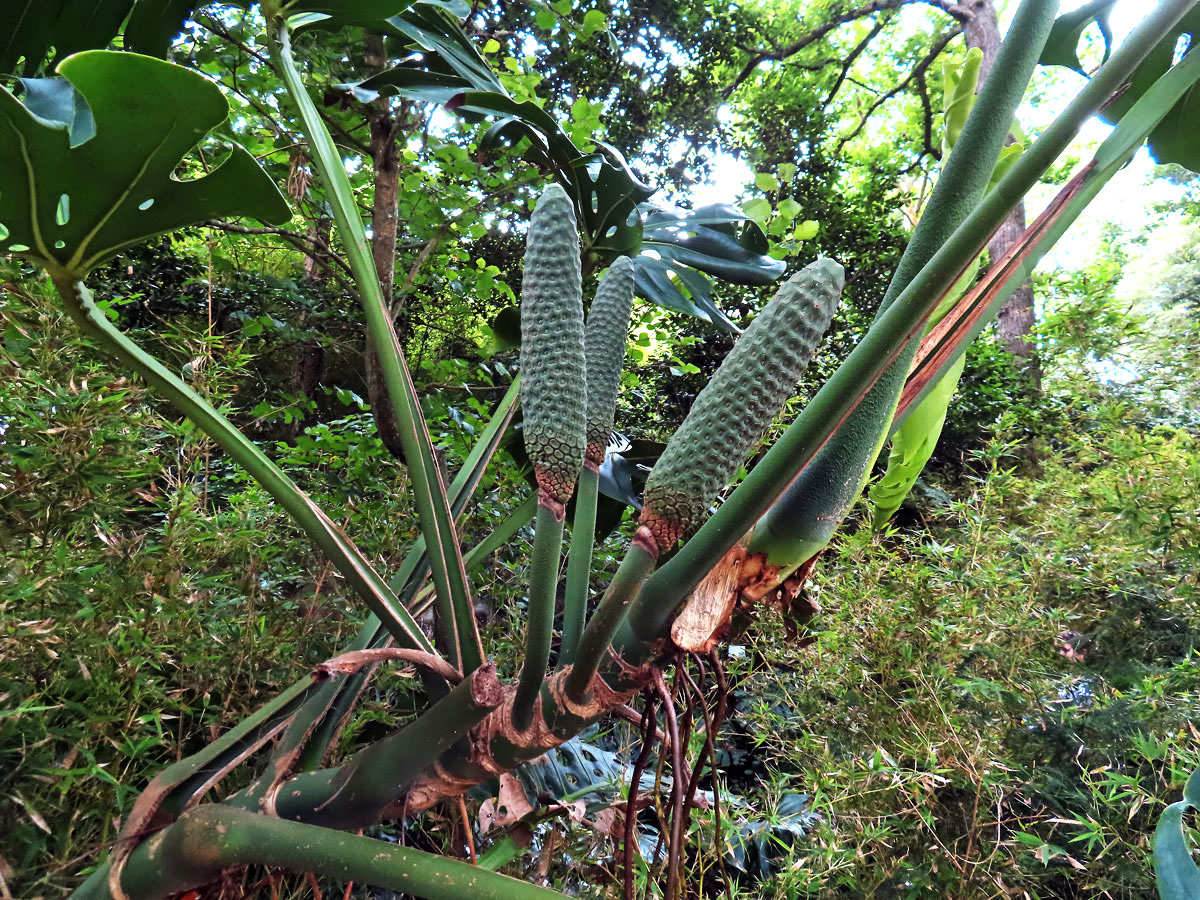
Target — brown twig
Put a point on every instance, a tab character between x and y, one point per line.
350	662
808	38
675	851
918	71
467	830
631	804
851	58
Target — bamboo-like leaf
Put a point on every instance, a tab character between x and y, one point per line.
437	523
333	702
341	551
183	784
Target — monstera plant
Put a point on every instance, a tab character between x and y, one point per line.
90	163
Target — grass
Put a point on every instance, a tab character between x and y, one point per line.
149	597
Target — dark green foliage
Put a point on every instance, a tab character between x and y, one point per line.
803	520
1173	140
72	206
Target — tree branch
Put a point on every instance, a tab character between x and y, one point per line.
918	71
290	236
927	118
805	40
848	64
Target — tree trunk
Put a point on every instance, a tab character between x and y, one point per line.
385	162
1016	318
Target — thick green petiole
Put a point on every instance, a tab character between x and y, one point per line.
635	568
213	838
903	320
358	793
539	627
501	535
579	563
328	537
455	618
416	562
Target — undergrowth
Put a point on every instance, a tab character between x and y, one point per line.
996	699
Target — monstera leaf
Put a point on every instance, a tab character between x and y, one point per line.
69	203
677	247
1177	874
433	26
1062	46
31	28
1174	140
672	251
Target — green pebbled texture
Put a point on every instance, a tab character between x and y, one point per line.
803	520
553	387
605	339
740	401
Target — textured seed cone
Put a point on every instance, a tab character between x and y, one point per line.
553	386
606	335
740	401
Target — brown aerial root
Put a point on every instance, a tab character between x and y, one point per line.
688	705
741	580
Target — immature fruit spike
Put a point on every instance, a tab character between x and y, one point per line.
553	387
605	339
740	401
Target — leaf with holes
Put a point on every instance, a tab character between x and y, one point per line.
70	208
1062	46
432	27
719	239
1174	139
710	240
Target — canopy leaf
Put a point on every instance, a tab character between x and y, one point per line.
71	207
35	27
1174	140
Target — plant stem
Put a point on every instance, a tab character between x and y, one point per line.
579	563
903	320
356	794
213	838
328	537
501	535
635	568
979	306
539	626
319	719
416	562
459	633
